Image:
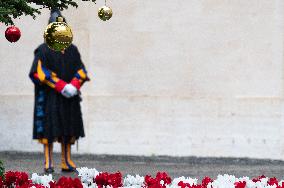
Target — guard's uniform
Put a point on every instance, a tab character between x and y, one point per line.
57	118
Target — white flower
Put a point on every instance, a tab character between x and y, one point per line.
92	185
87	175
280	182
188	180
225	181
222	181
43	180
133	182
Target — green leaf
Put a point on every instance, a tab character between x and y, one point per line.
12	9
2	170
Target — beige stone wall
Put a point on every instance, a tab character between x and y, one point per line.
202	78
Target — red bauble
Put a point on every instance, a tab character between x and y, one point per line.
12	34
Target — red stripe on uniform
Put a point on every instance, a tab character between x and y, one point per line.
76	83
60	85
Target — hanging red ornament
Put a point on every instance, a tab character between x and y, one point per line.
12	34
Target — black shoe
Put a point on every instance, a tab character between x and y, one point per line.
69	169
49	170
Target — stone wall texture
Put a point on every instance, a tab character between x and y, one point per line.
169	77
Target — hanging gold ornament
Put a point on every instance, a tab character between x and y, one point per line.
105	13
58	35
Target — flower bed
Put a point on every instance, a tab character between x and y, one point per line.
91	178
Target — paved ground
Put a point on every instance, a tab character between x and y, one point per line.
182	166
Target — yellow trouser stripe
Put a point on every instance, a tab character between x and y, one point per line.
48	155
69	156
66	156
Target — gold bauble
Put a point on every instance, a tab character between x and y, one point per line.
58	35
105	13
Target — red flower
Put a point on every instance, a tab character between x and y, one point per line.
258	178
206	180
115	180
150	182
281	186
104	179
187	185
29	185
101	179
156	182
164	176
52	184
10	178
37	186
240	184
1	182
272	181
67	182
16	178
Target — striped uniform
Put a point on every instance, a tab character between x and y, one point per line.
57	118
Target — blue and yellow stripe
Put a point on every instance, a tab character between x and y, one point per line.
48	155
66	162
46	76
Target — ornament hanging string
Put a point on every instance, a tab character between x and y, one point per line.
105	2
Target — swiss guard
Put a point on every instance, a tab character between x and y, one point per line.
58	77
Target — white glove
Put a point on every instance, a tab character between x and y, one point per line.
65	93
69	91
72	90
